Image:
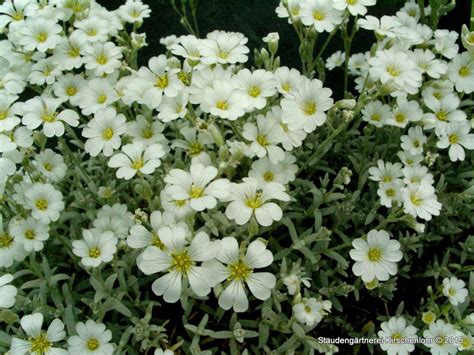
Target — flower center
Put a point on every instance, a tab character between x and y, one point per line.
194	149
40	344
181	261
268	176
42	37
453	138
101	99
262	140
73	52
254	91
318	15
254	202
108	133
415	199
179	203
30	234
307	309
284	127
390	192
392	70
71	91
41	204
464	71
3	114
48	116
196	191
286	87
396	336
101	59
156	241
239	271
442	116
223	54
93	344
162	81
147	133
91	32
222	105
5	240
94	252
400	117
138	163
309	108
452	291
374	254
18	15
376	117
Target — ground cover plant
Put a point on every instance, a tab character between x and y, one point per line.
211	200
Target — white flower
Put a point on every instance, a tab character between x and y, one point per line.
179	260
7	292
439	331
467	342
13	13
146	131
67	88
39	341
455	290
223	100
45	202
31	233
287	80
91	29
376	113
134	11
335	60
179	208
390	192
444	111
189	47
385	172
456	138
137	158
92	338
255	87
95	248
51	165
249	198
97	95
289	138
394	67
264	137
272	37
408	159
115	219
295	9
9	110
265	171
376	257
103	58
39	34
405	112
461	73
445	43
67	54
104	131
172	108
399	333
196	186
44	111
416	174
311	311
321	14
420	200
11	249
43	72
355	7
414	141
427	63
306	108
224	48
240	270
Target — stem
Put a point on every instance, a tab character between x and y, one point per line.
236	131
472	16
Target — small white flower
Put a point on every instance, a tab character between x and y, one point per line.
444	112
250	198
455	290
335	60
179	260
390	192
115	219
311	311
134	11
355	7
416	174
196	186
137	158
255	87
40	34
445	43
414	141
420	200
400	334
11	249
145	131
376	257
376	113
67	54
223	100
427	63
67	88
321	14
405	112
439	331
31	233
103	58
456	138
264	137
240	270
265	171
385	172
287	80
95	248
97	95
51	165
45	202
7	292
92	338
39	341
172	108
9	110
224	48
91	29
179	208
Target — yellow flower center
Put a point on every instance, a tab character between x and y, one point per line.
184	78
30	234
195	149
318	15
41	204
71	91
268	176
351	2
223	54
5	240
94	252
374	254
428	317
101	59
73	52
470	38
196	191
284	127
307	309
156	241
452	291
400	117
262	140
415	200
3	114
18	15
101	99
376	117
440	340
47	166
138	163
396	336
93	344
464	71
179	203
40	344
441	115
147	133
254	91
239	271
453	138
48	116
162	81
108	133
286	87
309	108
47	71
437	95
254	202
181	262
42	37
390	192
295	11
222	105
393	71
91	32
134	13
